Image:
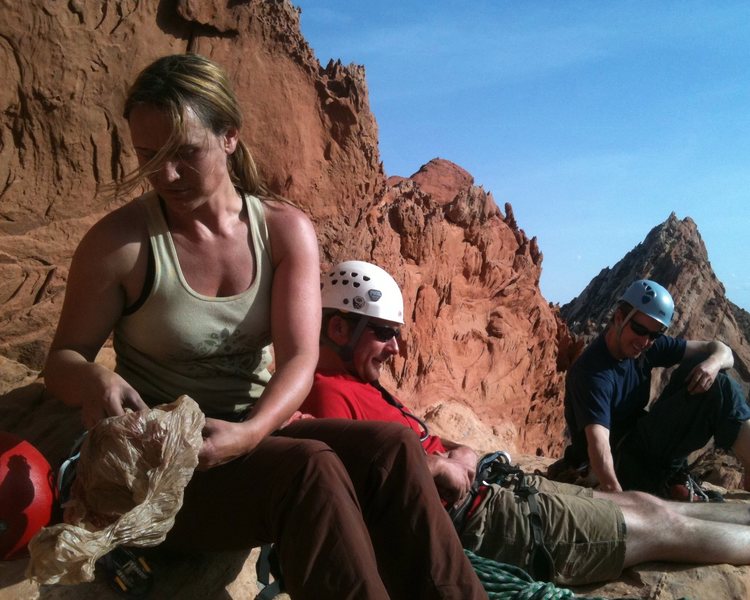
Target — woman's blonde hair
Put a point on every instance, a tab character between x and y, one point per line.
177	84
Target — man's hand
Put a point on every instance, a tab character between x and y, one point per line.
702	376
467	457
452	477
716	356
296	416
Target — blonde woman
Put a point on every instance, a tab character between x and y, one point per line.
195	280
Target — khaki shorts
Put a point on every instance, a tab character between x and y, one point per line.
585	536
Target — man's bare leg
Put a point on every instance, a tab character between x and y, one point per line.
724	512
658	533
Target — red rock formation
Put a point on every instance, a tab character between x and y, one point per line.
483	334
480	333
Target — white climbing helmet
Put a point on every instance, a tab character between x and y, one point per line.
358	287
650	298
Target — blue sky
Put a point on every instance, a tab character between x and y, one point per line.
595	120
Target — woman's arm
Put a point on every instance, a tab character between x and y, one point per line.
104	265
295	332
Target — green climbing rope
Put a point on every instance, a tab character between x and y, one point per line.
502	581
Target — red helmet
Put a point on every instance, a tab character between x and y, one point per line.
26	494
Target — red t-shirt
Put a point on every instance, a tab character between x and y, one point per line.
342	396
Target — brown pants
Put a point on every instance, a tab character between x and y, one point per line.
351	506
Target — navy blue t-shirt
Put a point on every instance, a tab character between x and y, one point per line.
601	390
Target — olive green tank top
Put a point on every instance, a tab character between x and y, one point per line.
216	350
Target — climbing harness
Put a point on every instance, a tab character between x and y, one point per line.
66	474
266	567
496	468
126	573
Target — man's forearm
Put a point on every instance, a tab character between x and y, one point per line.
723	354
600	458
602	464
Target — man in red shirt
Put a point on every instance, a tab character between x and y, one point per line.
589	535
338	394
354	347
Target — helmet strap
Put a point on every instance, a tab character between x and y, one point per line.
625	321
346	351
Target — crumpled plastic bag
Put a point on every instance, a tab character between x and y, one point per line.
129	486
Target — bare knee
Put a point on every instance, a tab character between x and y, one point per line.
634	499
653	530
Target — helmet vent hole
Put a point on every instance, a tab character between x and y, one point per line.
342	273
344	282
346	300
353	274
366	278
356	284
334	282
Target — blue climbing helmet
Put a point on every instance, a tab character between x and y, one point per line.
650	298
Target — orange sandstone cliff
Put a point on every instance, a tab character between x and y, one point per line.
481	335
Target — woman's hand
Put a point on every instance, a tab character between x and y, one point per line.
224	441
107	395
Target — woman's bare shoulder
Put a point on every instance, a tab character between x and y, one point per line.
117	236
283	213
289	228
121	223
286	220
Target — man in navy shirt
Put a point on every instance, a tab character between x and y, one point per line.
608	389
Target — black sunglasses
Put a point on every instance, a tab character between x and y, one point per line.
384	333
642	330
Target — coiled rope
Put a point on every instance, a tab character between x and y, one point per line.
502	581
